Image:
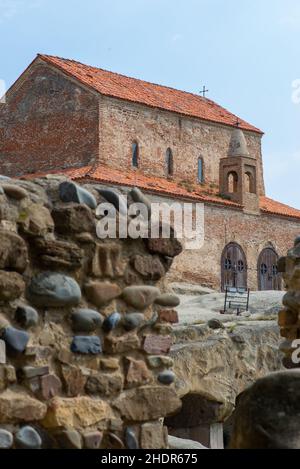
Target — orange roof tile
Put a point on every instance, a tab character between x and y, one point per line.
157	185
139	91
165	187
277	208
106	175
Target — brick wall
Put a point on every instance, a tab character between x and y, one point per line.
48	123
51	122
222	226
121	123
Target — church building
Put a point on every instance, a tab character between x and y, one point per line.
61	116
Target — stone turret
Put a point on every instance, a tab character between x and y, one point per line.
238	174
238	145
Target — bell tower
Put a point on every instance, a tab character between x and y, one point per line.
238	174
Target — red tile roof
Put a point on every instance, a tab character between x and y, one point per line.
139	91
160	186
277	208
156	185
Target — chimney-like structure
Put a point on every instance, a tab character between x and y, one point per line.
238	174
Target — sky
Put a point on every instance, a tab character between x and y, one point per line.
246	52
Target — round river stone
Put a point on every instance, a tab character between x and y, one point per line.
52	289
28	438
26	316
6	439
86	345
168	300
166	377
133	321
70	192
111	322
15	340
86	320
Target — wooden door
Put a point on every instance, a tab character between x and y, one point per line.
234	267
268	276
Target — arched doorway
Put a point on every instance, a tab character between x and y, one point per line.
268	276
234	267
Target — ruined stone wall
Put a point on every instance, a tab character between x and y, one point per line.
289	317
122	122
48	122
84	324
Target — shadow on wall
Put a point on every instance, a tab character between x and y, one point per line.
198	420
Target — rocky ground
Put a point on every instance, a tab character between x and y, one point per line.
180	443
218	356
199	305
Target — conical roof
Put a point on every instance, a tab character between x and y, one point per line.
238	144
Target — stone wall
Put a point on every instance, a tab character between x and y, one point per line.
84	324
49	122
289	317
155	130
223	360
222	226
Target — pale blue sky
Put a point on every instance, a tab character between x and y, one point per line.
245	51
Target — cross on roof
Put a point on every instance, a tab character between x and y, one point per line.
204	91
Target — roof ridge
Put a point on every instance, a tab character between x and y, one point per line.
203	100
131	78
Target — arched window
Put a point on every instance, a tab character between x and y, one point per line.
232	182
249	183
135	155
169	162
200	170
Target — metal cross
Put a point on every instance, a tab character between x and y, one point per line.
238	123
204	91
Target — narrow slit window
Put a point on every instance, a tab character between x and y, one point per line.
169	162
135	155
200	170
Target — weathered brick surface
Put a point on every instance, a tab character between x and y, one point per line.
121	123
222	226
49	122
52	122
